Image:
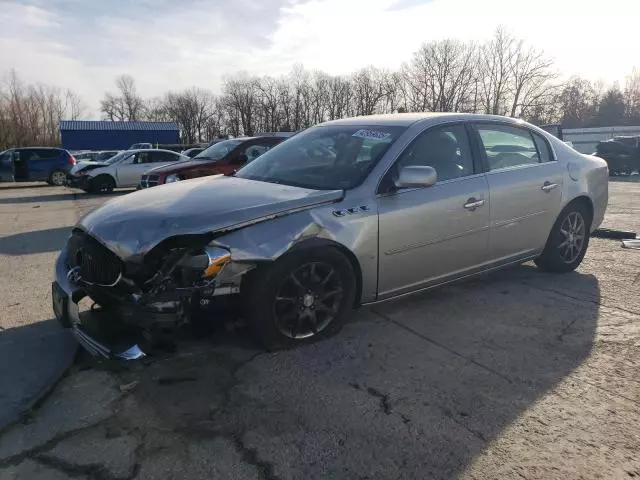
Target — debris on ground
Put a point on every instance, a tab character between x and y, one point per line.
613	234
128	387
635	244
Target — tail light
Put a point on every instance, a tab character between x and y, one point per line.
72	160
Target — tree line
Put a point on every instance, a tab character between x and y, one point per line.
30	114
503	76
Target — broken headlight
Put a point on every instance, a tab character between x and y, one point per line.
208	263
188	268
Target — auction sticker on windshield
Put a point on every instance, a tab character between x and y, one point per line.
371	134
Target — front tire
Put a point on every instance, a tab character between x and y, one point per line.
568	240
305	296
103	184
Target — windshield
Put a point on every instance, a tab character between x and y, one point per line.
218	150
324	158
102	156
118	157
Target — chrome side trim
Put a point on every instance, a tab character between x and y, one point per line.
413	246
455	279
517	219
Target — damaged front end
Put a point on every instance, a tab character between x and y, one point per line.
139	304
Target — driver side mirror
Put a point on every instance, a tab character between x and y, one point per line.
416	176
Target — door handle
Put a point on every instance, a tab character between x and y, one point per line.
548	186
472	204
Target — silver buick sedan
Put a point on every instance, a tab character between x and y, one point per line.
346	213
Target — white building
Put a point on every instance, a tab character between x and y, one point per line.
585	140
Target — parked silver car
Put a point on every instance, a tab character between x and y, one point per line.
346	213
120	171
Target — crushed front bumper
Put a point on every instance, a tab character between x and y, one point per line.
78	181
66	296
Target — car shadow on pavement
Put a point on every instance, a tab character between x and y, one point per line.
416	388
19	186
37	241
62	196
32	358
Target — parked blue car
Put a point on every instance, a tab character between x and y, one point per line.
32	164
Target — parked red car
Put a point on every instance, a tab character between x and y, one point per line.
221	158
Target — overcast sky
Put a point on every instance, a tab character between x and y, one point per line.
171	44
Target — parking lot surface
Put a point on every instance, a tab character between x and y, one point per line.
518	374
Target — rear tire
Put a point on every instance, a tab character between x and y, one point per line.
568	241
303	297
102	184
57	178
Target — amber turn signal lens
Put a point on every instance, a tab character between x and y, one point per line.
216	265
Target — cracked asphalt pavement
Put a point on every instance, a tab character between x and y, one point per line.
518	374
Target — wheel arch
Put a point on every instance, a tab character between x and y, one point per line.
105	174
94	181
586	202
317	242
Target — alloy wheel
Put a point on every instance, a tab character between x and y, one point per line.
308	300
58	178
572	231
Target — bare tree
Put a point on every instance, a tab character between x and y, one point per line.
578	102
532	76
31	114
368	90
240	97
496	62
632	97
128	105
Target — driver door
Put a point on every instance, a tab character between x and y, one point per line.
431	235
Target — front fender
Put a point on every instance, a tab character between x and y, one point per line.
356	236
100	171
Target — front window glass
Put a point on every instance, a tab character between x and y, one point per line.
324	158
218	150
446	149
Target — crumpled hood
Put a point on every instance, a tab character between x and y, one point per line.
133	224
84	164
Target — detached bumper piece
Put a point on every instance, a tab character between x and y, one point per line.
86	327
96	330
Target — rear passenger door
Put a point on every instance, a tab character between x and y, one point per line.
525	189
39	162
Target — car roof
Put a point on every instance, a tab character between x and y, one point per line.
36	148
136	150
257	137
408	119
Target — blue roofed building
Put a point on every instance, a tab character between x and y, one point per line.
107	135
